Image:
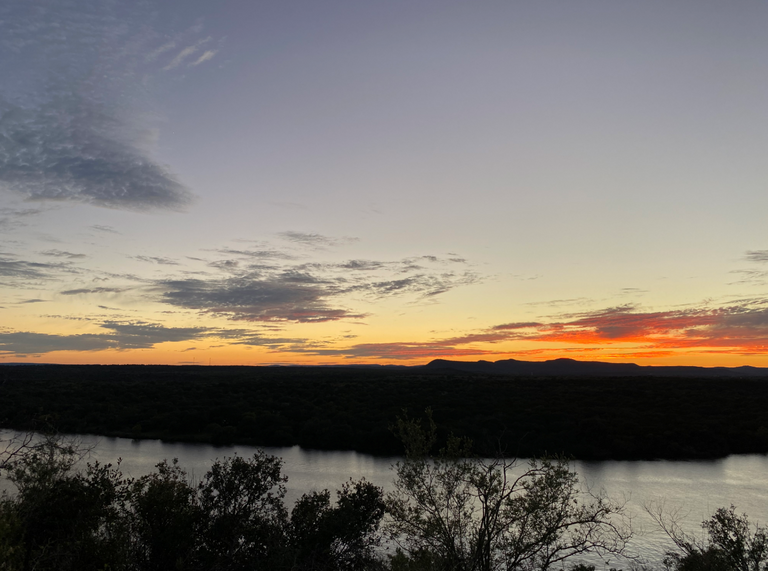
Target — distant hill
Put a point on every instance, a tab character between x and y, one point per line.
573	368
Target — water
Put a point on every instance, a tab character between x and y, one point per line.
693	488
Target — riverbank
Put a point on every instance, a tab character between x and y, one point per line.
352	409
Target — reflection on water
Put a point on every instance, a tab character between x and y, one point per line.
697	488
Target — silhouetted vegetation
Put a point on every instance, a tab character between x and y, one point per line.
234	520
448	512
732	544
351	409
456	512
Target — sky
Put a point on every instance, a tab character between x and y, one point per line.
300	182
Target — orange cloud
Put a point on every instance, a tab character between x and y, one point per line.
742	327
400	351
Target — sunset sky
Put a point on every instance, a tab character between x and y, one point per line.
275	182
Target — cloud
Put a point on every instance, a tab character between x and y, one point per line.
186	52
399	351
283	297
152	56
11	218
180	57
62	254
268	254
72	149
757	256
737	326
317	241
106	229
423	285
156	260
561	302
516	325
205	57
96	290
304	293
140	335
121	336
28	343
74	124
362	265
23	270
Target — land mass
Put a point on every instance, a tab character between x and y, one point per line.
579	409
573	368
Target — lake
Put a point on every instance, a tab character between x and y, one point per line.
696	488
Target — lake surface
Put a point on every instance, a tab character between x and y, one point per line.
695	488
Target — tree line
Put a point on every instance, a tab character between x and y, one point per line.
449	511
351	409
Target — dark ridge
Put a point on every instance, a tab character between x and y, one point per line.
573	368
329	408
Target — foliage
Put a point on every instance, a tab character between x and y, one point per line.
245	518
62	519
343	537
462	514
351	409
448	512
165	515
235	519
731	544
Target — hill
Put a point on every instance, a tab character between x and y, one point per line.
573	368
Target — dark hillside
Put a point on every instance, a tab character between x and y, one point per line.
351	408
573	368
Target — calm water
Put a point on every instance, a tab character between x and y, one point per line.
696	488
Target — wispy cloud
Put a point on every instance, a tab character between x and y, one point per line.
757	256
752	275
92	291
741	327
157	260
317	241
399	351
308	292
71	148
737	328
11	267
516	326
153	55
62	254
102	228
120	336
208	55
73	105
188	51
562	302
12	218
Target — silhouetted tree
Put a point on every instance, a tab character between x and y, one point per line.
165	516
340	537
470	514
63	519
244	518
731	544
